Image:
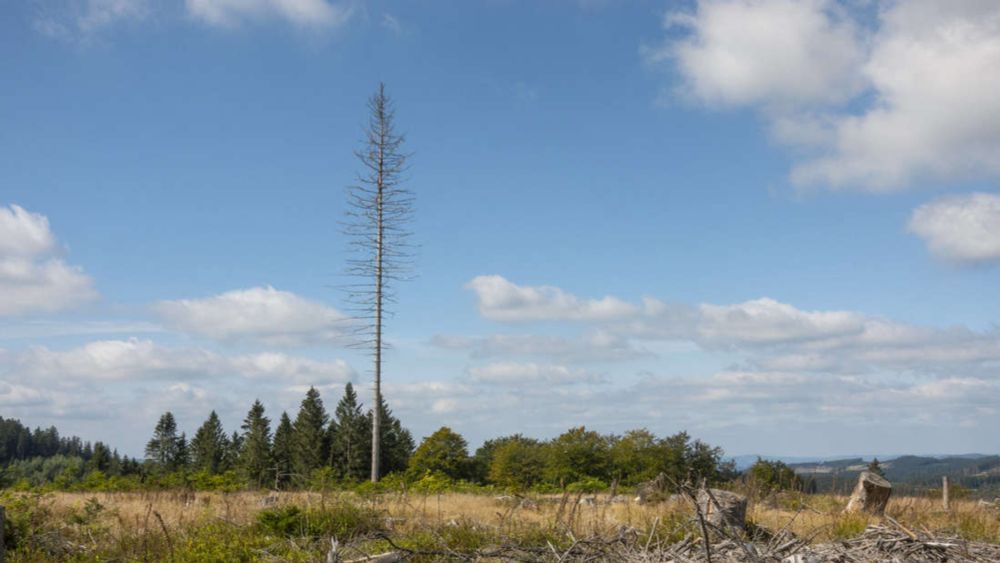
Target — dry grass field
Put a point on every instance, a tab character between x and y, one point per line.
181	526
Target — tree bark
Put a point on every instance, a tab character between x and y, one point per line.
723	509
871	494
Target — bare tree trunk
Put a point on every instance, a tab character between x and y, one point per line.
379	212
377	408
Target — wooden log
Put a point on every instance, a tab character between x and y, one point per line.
871	494
723	509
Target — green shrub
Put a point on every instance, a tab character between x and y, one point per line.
340	520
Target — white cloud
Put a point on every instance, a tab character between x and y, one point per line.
515	373
768	334
82	19
908	101
259	314
766	52
301	13
765	321
595	346
501	300
137	360
32	278
962	229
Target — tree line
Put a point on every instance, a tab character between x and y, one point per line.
321	448
315	445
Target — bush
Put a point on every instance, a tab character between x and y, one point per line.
342	520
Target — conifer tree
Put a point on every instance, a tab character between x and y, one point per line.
282	450
208	448
100	458
309	444
255	455
397	442
161	450
350	438
182	455
234	444
380	212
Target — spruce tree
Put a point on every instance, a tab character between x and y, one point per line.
161	450
208	448
231	459
182	454
100	458
282	451
255	455
397	442
350	438
309	444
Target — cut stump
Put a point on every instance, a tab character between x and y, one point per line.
723	509
871	494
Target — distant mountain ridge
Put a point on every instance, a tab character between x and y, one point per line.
908	473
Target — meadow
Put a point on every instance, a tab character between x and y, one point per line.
348	526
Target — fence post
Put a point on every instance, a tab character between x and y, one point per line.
3	546
944	492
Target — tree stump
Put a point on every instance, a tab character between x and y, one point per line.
871	494
654	490
723	509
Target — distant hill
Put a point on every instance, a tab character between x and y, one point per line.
908	473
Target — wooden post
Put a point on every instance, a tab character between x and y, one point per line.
944	492
3	546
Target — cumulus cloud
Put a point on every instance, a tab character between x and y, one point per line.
33	278
259	314
301	13
768	52
501	300
886	105
136	360
768	334
961	229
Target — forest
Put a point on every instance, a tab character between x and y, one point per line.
321	450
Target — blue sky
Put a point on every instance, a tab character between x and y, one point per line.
773	223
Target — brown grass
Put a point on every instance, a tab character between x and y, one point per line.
818	518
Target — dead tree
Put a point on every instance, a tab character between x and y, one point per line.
379	213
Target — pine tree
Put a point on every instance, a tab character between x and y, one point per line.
309	445
255	456
208	447
282	451
350	438
161	450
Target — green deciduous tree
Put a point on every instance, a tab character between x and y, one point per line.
576	454
767	475
517	463
444	451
